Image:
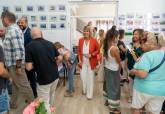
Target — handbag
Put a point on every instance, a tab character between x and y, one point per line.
155	68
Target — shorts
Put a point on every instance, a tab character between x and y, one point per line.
4	101
152	103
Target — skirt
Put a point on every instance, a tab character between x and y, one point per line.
112	86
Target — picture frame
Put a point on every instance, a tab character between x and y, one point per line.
61	8
53	18
43	18
33	25
52	8
33	18
62	17
53	26
41	8
18	9
43	26
62	25
30	8
4	8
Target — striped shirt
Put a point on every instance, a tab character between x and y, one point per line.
13	45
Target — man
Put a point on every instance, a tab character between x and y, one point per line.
42	56
4	75
23	24
14	59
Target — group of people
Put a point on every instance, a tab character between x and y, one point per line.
27	57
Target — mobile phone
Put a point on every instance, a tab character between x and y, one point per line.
129	48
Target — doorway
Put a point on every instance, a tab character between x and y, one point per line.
102	14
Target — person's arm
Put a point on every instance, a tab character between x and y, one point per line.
3	72
116	54
122	48
97	48
18	46
139	73
28	58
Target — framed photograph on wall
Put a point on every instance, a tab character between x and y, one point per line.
18	9
4	8
61	8
43	25
53	26
30	8
52	8
43	18
53	18
62	17
62	25
41	8
33	18
33	25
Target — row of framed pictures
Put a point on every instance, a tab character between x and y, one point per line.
48	26
39	8
43	18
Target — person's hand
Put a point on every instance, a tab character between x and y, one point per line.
2	32
19	71
89	56
132	72
79	64
69	65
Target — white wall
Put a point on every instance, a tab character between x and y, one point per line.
51	35
141	6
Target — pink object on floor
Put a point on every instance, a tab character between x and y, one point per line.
30	109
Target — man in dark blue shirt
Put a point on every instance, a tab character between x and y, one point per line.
23	24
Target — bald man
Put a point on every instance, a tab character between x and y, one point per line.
42	56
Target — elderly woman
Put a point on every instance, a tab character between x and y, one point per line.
87	54
149	77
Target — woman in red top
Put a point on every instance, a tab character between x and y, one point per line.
87	53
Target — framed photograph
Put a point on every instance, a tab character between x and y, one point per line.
156	16
53	18
41	8
53	26
33	18
43	26
33	25
52	8
18	9
4	8
62	17
130	16
121	17
61	8
62	25
43	18
30	8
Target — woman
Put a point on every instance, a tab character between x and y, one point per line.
112	66
132	55
149	77
88	49
70	59
122	49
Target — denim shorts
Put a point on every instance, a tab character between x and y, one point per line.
4	101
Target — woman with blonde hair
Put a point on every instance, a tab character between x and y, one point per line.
149	76
88	49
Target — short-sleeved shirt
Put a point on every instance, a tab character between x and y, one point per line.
122	54
154	83
3	81
131	61
42	54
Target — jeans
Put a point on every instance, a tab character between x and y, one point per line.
70	76
4	101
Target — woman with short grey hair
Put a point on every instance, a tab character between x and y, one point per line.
149	76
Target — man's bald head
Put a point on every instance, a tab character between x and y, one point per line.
36	33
